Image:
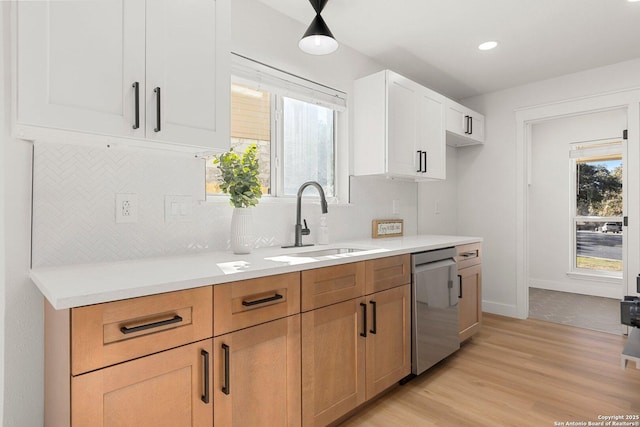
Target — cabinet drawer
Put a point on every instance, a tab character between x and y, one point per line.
246	303
329	285
469	255
387	273
109	333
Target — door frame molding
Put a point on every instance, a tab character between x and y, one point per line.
525	119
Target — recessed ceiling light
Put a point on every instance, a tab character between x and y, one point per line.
491	44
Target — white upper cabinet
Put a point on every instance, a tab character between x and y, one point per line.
399	128
77	61
464	126
95	66
188	58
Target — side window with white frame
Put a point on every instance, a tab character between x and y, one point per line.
294	123
597	168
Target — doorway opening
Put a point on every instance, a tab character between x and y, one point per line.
575	215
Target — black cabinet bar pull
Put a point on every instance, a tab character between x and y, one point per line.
364	319
374	329
261	301
157	92
424	153
226	389
470	125
420	161
460	286
174	319
136	97
466	125
205	396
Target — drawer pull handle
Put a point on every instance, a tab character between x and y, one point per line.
226	389
205	396
174	319
469	254
261	301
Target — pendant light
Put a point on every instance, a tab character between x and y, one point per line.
318	40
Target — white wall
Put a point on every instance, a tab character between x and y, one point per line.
550	201
437	201
22	383
3	162
487	175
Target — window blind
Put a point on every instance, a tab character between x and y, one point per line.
263	77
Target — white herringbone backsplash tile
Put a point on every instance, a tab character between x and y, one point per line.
74	190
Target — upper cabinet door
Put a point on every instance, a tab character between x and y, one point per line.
431	134
188	60
416	120
464	126
77	62
402	151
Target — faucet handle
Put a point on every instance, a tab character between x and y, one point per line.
305	230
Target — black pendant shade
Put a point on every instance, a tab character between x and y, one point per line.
318	39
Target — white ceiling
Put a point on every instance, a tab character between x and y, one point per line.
435	41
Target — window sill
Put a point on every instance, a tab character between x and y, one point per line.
269	200
596	277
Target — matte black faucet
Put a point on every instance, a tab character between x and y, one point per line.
305	231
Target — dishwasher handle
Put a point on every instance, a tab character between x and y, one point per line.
434	265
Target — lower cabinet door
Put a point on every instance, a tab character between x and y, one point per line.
171	388
470	300
388	338
333	361
257	375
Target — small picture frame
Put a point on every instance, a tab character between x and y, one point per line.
387	228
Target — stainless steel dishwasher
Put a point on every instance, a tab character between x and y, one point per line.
434	308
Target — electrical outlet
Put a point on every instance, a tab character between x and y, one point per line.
395	207
126	208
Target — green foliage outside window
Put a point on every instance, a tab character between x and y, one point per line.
599	190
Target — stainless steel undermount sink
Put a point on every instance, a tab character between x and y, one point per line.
326	252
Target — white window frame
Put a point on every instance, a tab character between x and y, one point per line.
577	151
282	84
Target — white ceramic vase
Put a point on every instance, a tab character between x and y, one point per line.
241	230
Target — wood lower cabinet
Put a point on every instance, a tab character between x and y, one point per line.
470	302
388	339
333	361
329	285
257	375
171	389
387	273
469	260
355	349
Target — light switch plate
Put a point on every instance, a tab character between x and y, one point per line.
178	208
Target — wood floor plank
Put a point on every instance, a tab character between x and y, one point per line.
515	373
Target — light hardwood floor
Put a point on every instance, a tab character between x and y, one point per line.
516	373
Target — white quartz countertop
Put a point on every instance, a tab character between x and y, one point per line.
84	284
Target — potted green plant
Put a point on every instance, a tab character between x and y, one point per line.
239	179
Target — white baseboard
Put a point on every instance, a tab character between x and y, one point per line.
499	308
